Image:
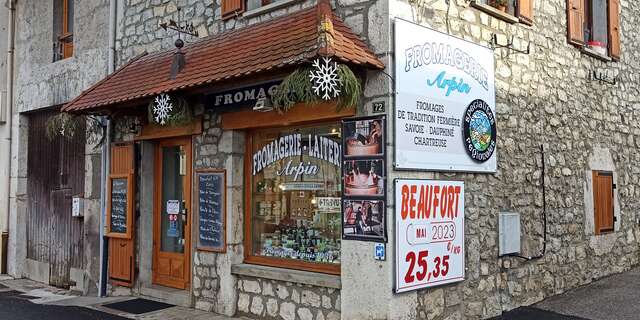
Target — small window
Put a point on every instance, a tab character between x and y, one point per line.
255	4
294	217
595	23
594	26
506	6
63	16
511	11
603	201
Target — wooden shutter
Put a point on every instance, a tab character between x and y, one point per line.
603	201
575	22
121	168
232	7
121	246
525	11
614	29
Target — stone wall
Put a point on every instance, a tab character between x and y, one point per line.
271	299
139	31
214	287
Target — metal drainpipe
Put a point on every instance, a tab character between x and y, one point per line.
8	132
104	243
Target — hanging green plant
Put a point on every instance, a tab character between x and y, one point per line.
169	110
68	125
313	84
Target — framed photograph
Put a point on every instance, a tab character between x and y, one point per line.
364	178
364	137
210	210
364	220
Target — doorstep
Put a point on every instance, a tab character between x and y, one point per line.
167	295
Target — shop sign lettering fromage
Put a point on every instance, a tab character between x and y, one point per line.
243	96
290	148
429	233
439	80
434	53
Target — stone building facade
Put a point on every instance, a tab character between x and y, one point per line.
544	98
41	84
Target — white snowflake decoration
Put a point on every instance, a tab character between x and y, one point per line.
326	82
162	108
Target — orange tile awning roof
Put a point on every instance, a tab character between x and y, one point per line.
285	41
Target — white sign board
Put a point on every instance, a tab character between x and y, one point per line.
329	204
173	207
445	103
429	233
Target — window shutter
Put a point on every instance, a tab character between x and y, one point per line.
603	201
121	168
525	11
614	29
232	7
575	21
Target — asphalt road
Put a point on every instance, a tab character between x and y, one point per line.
14	305
531	313
610	298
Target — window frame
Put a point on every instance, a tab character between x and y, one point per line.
589	18
516	17
65	39
249	257
581	42
239	8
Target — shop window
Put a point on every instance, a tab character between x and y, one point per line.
603	201
294	215
509	10
594	26
63	15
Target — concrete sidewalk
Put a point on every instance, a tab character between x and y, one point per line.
42	294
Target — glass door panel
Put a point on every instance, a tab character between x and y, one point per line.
173	214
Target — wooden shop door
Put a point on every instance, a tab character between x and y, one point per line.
172	213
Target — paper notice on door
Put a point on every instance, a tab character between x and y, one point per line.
173	207
172	231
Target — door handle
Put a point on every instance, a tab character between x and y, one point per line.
122	245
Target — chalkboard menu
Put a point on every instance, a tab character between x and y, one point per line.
118	212
211	213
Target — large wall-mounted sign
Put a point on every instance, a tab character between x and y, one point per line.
429	233
445	104
364	179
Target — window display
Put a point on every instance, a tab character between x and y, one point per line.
296	193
